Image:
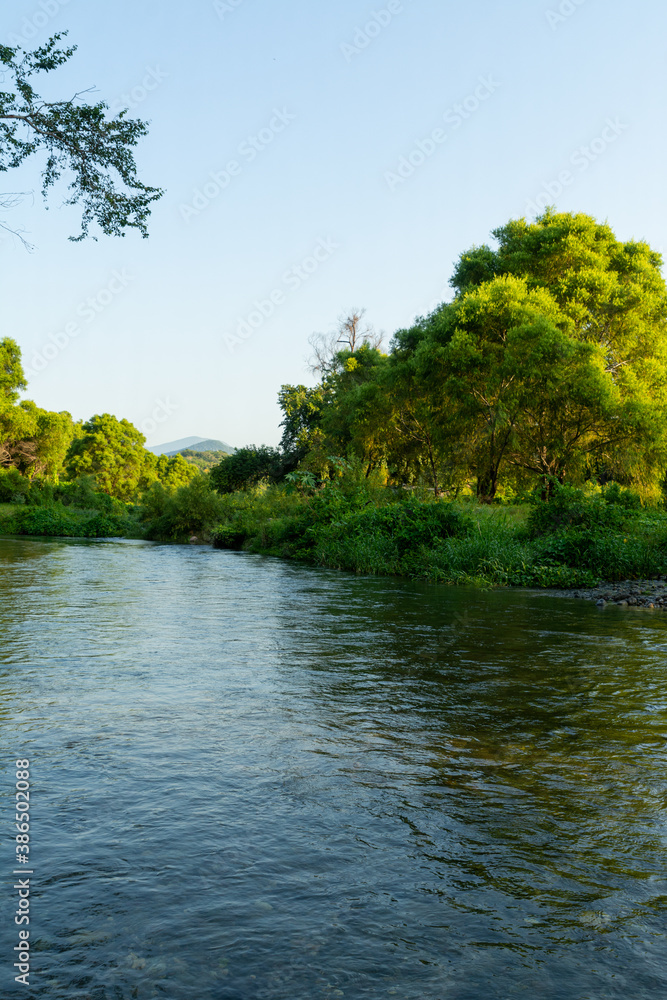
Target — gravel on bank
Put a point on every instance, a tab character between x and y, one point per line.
651	594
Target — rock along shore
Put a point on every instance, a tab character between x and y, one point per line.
651	594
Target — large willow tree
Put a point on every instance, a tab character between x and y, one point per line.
549	364
555	352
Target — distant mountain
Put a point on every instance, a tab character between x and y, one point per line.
208	444
193	443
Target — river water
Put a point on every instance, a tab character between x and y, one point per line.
252	779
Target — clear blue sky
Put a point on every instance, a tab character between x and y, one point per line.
332	96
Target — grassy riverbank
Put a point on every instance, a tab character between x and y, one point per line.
58	520
573	540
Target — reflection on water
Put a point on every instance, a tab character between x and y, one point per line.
254	780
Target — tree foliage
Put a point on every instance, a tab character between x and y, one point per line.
549	364
80	139
112	451
302	411
32	440
245	468
12	379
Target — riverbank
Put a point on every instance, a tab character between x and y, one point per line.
604	544
574	540
56	520
649	594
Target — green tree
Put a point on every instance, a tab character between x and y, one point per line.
245	468
354	416
351	334
18	428
431	436
612	291
174	471
594	382
79	138
302	411
112	451
193	508
32	440
50	442
12	379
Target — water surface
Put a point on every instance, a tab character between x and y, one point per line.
257	780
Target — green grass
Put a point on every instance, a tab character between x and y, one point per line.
574	541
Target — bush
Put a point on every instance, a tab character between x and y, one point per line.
12	486
610	556
274	520
101	526
574	540
60	522
628	499
173	516
246	468
54	521
395	529
569	507
82	493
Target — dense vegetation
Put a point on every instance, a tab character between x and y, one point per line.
516	435
573	538
203	460
550	364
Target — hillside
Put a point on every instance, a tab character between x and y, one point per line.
198	444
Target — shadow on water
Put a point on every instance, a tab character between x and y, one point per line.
254	779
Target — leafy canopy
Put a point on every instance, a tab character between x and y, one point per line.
246	468
12	378
78	138
112	451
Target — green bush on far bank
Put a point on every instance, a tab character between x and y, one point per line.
64	522
571	540
74	510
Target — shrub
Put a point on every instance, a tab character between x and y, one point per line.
190	510
12	486
101	526
569	507
611	556
245	468
385	538
56	521
628	499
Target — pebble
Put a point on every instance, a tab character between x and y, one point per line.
648	594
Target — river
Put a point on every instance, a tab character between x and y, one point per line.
251	779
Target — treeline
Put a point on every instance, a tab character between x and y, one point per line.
39	447
548	366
